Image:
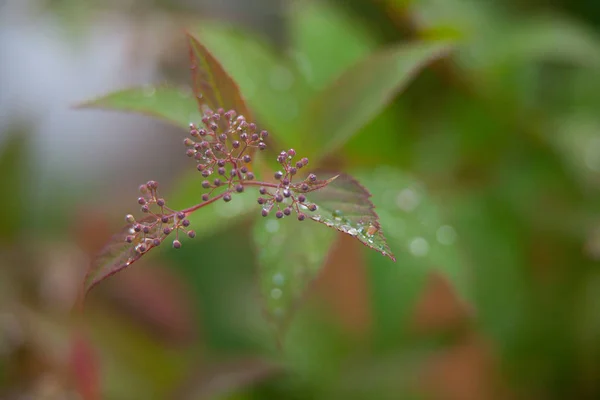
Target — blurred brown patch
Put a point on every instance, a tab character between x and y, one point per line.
466	371
157	298
342	284
439	308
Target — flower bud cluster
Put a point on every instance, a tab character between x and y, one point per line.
221	150
160	221
286	197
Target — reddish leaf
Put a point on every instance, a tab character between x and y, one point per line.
119	254
213	87
84	367
344	204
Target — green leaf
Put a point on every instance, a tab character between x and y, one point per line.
363	91
326	41
273	85
290	255
549	37
173	105
345	205
213	87
13	175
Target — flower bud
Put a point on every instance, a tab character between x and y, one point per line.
176	244
129	219
227	198
279	214
160	202
205	197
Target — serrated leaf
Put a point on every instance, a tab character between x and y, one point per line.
290	255
173	105
118	254
213	87
345	205
362	91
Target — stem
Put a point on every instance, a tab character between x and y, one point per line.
205	203
258	183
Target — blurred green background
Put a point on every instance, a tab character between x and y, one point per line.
485	170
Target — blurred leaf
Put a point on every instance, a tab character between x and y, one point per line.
175	106
325	41
547	38
272	84
423	243
363	91
290	255
345	205
224	378
13	176
84	365
212	86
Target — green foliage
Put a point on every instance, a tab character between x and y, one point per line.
175	106
483	161
290	255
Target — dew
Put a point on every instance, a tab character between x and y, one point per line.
446	235
281	78
278	279
419	247
272	226
276	293
148	90
352	232
337	214
407	200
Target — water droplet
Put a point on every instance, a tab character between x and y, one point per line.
281	78
272	226
446	235
352	232
407	200
148	90
278	279
276	293
337	214
419	247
